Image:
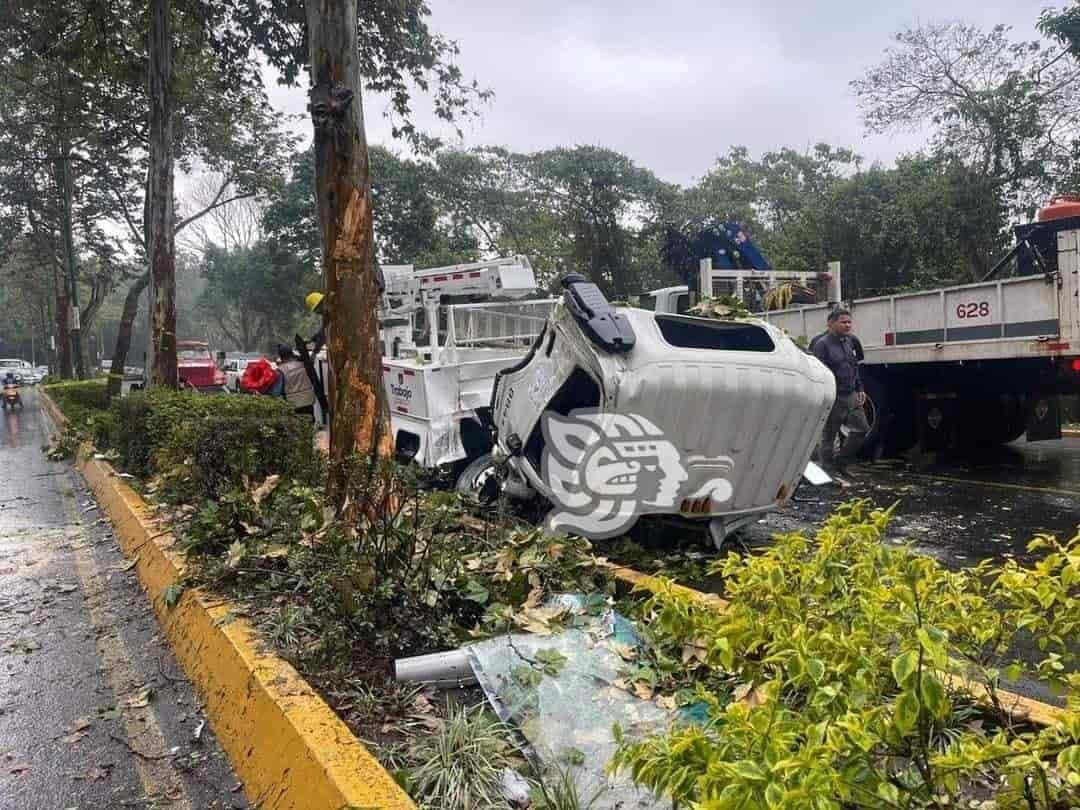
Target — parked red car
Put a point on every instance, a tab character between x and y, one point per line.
196	366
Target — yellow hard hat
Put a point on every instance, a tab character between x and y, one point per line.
313	300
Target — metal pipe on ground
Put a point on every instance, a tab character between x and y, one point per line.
444	669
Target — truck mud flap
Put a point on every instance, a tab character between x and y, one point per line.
1044	418
936	418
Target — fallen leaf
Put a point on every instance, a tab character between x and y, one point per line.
422	705
236	554
19	768
643	690
127	566
264	489
694	651
749	697
139	700
274	552
534	598
627	652
666	702
248	528
539	620
82	723
73	737
95	774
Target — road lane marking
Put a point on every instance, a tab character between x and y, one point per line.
996	484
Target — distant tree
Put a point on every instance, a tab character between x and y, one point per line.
1063	25
253	294
1009	110
412	220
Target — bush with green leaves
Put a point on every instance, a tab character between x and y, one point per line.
79	396
204	446
850	675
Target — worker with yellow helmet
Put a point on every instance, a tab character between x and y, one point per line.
315	303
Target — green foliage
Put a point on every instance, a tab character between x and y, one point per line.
725	307
79	400
398	51
254	294
204	446
851	659
460	763
414	223
560	790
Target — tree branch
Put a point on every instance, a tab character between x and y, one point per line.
195	217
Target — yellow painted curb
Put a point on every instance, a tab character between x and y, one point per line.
287	746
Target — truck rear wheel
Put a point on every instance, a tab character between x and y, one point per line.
891	415
992	419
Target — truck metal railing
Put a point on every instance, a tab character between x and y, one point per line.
1014	308
497	324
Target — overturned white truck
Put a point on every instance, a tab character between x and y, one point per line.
618	413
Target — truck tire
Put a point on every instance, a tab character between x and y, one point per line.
478	478
992	419
891	414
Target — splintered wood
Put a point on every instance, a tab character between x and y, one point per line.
350	240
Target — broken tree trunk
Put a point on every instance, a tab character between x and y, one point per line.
63	336
123	335
361	422
162	240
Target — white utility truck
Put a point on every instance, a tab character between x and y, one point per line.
439	390
970	365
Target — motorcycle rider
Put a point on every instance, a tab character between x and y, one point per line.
11	383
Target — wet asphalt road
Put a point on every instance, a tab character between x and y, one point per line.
959	508
94	711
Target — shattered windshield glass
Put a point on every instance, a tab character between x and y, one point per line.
565	692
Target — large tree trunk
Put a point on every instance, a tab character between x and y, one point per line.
162	238
123	335
361	421
63	337
70	274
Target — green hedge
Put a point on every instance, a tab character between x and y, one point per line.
202	445
206	445
79	397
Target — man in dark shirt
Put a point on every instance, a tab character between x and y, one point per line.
841	352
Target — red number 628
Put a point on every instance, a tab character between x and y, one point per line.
973	310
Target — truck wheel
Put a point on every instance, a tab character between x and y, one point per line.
479	479
992	419
892	419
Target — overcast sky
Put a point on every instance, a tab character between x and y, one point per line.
674	84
